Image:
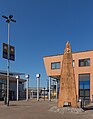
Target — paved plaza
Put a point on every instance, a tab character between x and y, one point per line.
33	109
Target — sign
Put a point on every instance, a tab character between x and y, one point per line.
5	51
11	52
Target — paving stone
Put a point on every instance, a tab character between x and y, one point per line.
66	110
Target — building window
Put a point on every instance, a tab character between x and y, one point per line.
73	63
84	87
55	65
84	62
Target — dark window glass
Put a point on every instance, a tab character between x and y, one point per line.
84	81
84	62
87	92
55	65
87	98
84	86
81	93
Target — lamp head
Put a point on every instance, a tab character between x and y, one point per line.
10	16
17	77
5	17
8	21
37	75
27	76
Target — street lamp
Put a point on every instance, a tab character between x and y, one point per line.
8	20
17	77
49	88
38	82
27	77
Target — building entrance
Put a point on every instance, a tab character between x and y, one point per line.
84	88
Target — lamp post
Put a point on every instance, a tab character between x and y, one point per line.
27	88
44	94
56	89
49	88
84	95
8	20
17	77
38	82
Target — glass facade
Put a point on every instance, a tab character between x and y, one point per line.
84	62
2	89
55	65
84	87
12	90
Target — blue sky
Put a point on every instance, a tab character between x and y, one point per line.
42	29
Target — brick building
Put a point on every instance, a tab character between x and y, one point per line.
83	68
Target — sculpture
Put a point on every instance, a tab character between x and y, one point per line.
67	93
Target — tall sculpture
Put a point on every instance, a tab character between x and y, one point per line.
67	93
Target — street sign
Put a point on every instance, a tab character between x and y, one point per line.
11	53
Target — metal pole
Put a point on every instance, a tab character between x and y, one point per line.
37	89
27	86
53	89
8	63
44	94
56	90
49	88
8	52
32	94
27	90
17	89
84	96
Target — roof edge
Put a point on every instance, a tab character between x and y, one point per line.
72	53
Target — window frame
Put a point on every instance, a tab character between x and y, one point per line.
56	65
84	88
84	62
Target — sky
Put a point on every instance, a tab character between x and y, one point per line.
43	27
